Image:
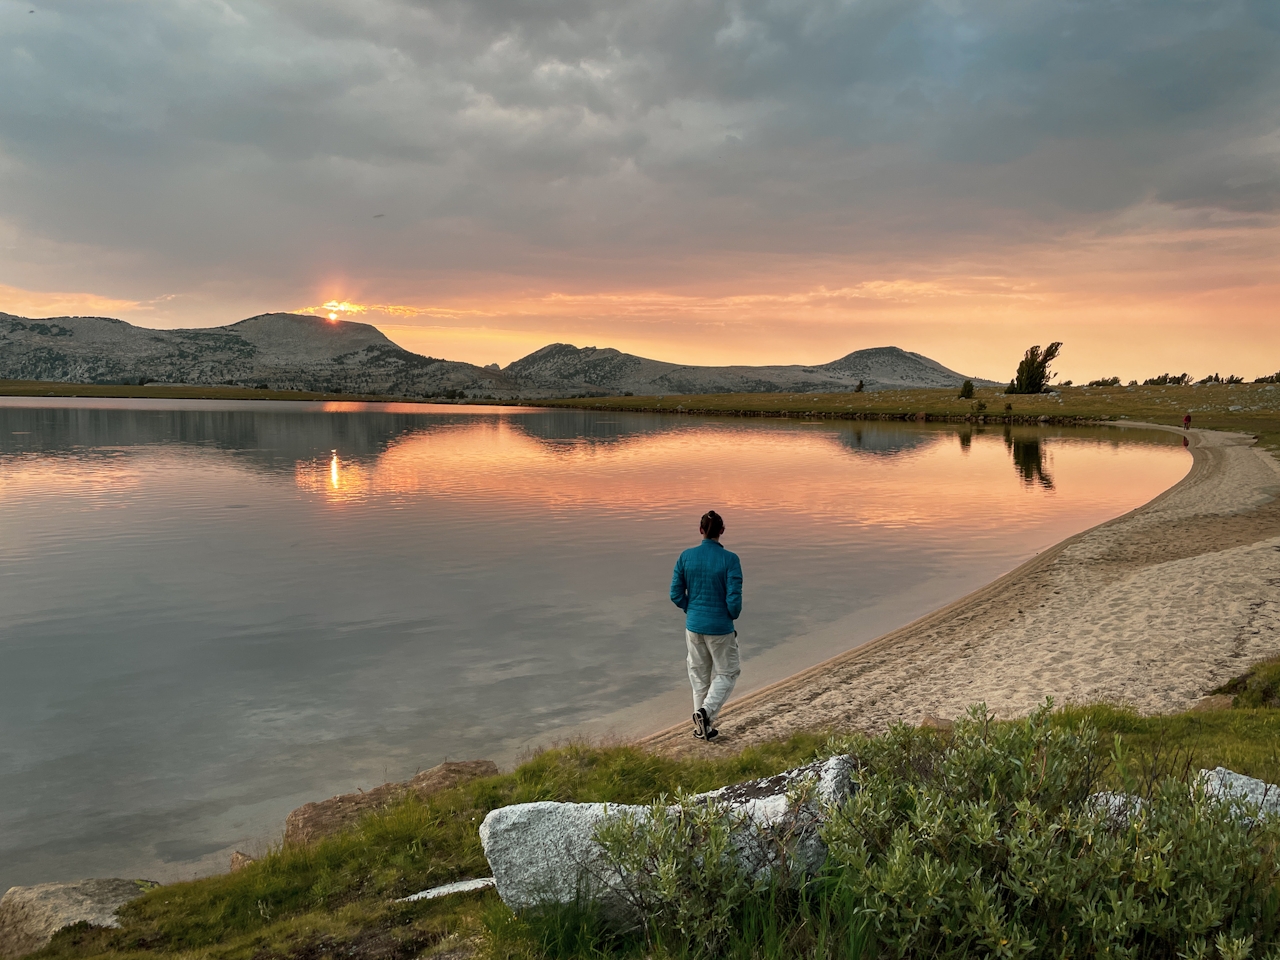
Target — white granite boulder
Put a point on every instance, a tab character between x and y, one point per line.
1219	782
1228	784
30	916
546	852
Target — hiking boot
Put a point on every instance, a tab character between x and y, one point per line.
701	723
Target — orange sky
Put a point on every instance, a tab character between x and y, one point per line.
1134	305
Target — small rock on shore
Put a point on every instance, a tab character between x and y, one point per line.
30	916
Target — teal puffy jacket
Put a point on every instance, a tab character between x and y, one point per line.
707	586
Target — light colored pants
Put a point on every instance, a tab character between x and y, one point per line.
713	669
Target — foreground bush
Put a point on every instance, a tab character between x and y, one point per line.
994	844
682	871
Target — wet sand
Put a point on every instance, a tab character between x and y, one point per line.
1152	610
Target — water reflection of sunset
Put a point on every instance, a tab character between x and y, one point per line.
815	476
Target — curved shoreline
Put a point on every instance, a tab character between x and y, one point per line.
1152	609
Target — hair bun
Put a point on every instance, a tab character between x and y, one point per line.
712	524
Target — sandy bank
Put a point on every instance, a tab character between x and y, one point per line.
1152	609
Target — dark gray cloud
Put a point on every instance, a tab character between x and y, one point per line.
215	142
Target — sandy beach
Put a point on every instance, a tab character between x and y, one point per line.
1152	610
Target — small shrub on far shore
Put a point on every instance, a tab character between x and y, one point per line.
1033	372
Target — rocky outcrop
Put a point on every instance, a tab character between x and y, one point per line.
545	852
239	861
282	351
312	821
30	916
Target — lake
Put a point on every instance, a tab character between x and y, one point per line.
217	611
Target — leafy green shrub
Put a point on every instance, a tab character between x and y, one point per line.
681	867
702	878
990	844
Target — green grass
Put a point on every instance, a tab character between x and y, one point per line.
1244	740
816	921
1258	687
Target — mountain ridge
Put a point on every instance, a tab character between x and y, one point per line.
875	368
299	351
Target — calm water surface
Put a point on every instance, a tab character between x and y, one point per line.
214	612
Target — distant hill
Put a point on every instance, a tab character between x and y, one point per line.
562	366
281	350
291	351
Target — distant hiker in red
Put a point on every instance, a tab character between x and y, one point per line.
1186	422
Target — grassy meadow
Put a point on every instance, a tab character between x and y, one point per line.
162	391
1248	407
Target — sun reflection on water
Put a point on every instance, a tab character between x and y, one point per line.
805	474
335	479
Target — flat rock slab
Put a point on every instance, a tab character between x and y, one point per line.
30	916
459	886
546	852
311	821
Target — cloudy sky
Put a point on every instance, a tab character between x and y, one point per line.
694	180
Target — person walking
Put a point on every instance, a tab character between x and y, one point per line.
707	586
1186	422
